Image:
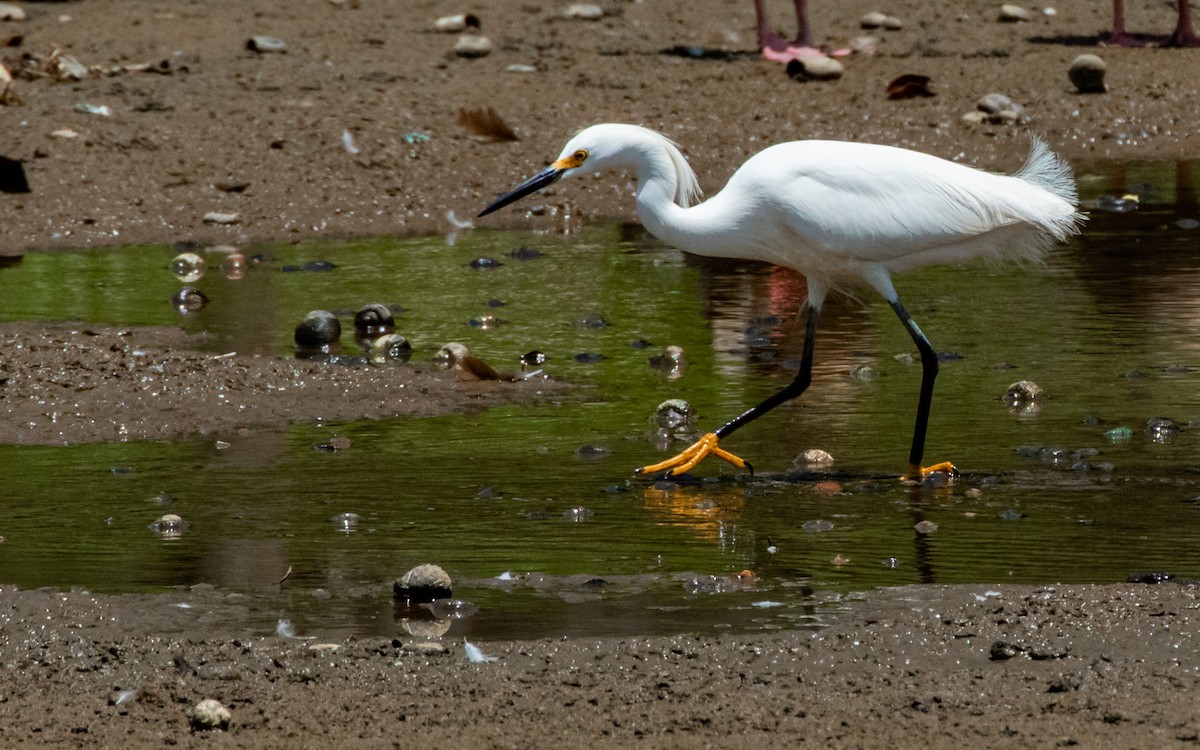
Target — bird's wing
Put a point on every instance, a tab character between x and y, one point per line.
879	204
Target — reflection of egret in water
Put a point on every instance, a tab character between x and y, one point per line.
709	510
924	543
740	294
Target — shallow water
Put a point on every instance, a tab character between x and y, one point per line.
1109	327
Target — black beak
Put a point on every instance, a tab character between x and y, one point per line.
545	178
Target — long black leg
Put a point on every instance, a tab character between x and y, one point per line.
929	371
790	391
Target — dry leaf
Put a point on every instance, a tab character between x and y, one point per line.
486	122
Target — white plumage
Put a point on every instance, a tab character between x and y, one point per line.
837	212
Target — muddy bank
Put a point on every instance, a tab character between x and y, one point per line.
262	138
67	384
977	666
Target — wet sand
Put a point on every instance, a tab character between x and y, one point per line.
231	131
223	129
930	666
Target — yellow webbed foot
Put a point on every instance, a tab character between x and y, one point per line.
921	473
694	454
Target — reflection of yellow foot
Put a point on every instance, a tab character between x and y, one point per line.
694	454
919	473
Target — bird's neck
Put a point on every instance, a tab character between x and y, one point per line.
656	206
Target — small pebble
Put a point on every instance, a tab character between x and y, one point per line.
1014	14
170	525
872	20
670	358
926	527
578	514
424	583
584	12
234	266
866	46
374	318
210	714
533	358
188	267
813	458
1087	73
526	253
391	347
425	648
189	299
473	46
1001	110
827	489
673	414
816	68
67	68
319	328
11	12
218	217
1024	392
591	323
266	44
103	110
864	373
457	23
345	521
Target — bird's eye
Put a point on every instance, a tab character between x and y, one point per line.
580	156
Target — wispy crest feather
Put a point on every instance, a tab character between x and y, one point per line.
687	187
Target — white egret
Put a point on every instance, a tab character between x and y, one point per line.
839	213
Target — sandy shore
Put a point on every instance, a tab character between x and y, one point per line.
220	129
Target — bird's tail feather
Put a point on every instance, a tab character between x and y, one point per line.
1048	171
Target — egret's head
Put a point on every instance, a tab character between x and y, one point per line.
607	146
573	157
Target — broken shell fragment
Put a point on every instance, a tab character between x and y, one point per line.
265	44
67	68
457	23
